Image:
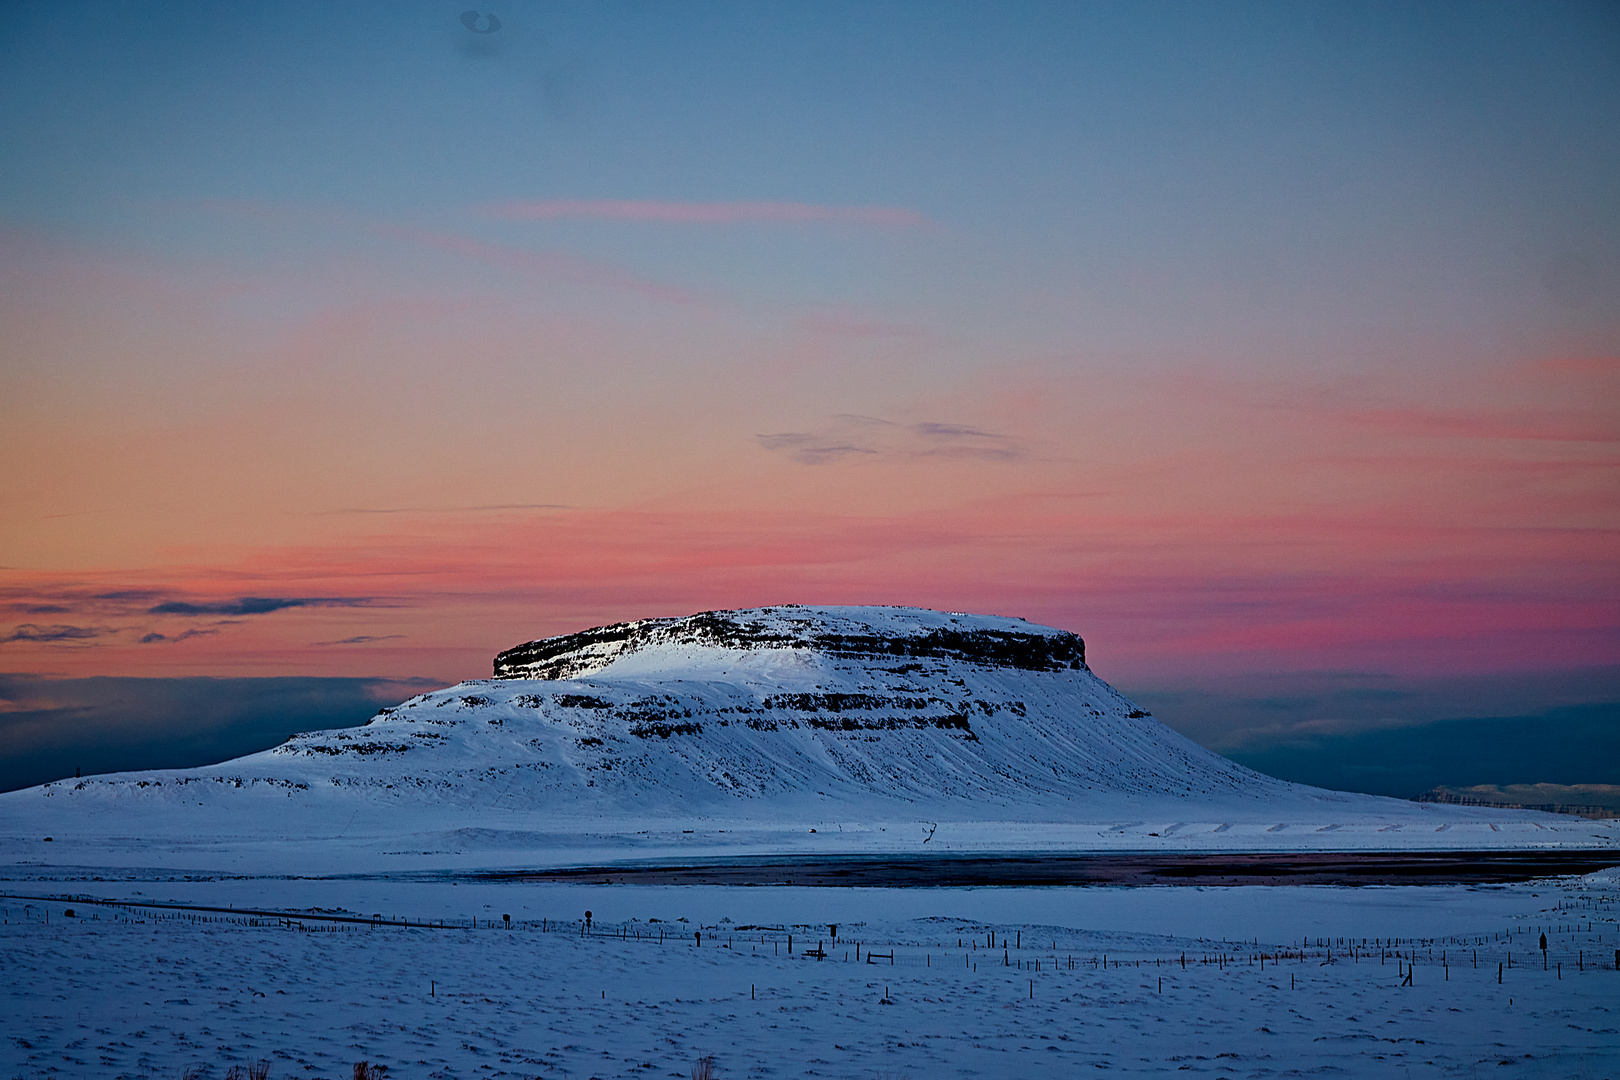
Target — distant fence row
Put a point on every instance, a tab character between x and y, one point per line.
1584	938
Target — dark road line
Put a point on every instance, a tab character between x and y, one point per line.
1309	868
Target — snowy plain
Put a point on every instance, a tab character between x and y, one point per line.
1077	979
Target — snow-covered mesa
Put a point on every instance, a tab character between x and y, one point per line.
776	730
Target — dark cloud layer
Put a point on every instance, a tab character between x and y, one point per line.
56	633
853	436
1401	736
1578	745
52	727
184	635
254	605
63	599
123	603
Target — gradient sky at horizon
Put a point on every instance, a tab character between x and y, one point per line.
343	340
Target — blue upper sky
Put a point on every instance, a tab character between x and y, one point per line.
1333	161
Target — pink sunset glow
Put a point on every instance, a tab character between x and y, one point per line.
418	518
444	341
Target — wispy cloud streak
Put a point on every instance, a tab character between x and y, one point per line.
546	264
550	265
1545	425
254	605
58	634
853	436
706	213
186	635
492	508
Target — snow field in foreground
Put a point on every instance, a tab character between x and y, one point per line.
138	993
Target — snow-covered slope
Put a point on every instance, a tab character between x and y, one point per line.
759	712
768	730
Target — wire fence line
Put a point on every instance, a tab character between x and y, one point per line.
1584	937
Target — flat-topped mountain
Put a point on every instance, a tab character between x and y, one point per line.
766	730
796	706
866	633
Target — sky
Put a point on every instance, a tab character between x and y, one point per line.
1250	341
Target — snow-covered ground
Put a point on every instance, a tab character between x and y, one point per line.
143	992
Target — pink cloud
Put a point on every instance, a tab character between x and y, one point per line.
1551	425
696	213
554	265
548	264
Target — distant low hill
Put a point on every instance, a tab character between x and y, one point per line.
1596	801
